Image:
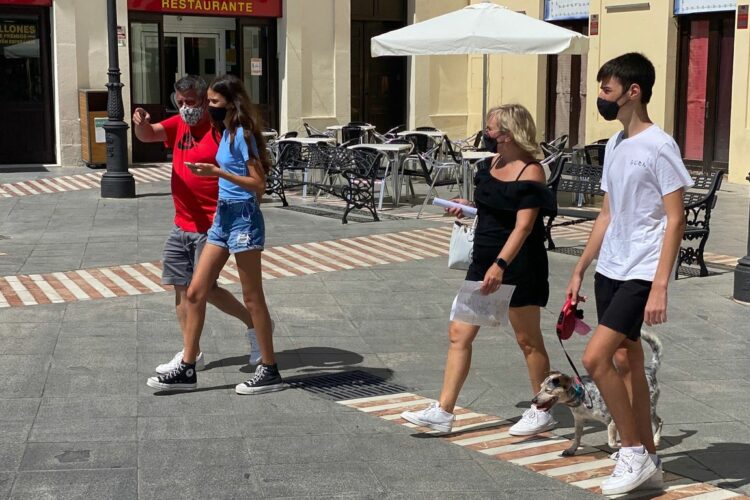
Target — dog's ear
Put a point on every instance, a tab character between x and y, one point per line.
565	380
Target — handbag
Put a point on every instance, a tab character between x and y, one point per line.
462	245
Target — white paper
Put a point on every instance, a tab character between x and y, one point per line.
468	211
471	306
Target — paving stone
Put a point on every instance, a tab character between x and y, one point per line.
76	484
80	455
331	479
62	430
225	482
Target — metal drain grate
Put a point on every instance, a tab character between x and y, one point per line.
347	385
577	251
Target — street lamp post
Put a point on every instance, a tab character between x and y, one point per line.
117	182
742	272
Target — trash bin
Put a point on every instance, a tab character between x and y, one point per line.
92	110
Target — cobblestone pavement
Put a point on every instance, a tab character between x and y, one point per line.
361	312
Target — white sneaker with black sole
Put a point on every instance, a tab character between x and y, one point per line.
165	368
632	470
182	378
266	379
433	417
533	422
252	339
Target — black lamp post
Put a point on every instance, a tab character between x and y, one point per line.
742	272
117	182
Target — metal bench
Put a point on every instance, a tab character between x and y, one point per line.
586	179
348	174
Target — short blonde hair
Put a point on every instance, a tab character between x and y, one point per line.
516	120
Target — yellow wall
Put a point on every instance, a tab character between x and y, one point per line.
739	140
314	42
80	61
652	32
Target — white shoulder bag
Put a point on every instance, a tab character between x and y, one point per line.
462	245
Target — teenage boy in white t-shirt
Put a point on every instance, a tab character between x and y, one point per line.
636	236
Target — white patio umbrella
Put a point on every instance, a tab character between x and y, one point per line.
483	28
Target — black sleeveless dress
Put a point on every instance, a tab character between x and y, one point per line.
497	205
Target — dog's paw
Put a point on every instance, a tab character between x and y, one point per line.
568	452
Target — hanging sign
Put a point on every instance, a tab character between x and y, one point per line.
594	25
256	8
559	10
256	66
698	6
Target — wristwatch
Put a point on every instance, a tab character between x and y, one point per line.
501	263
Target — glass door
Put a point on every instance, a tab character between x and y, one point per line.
146	83
25	92
259	69
189	54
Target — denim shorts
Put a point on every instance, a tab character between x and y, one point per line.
238	226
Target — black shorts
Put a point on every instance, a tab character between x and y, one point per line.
620	304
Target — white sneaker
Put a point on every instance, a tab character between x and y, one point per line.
165	368
532	422
252	339
656	481
631	471
433	417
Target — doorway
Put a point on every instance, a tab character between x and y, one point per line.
703	111
27	130
165	48
378	85
566	92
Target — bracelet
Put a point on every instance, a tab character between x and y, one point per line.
501	263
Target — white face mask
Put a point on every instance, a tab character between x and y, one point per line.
191	116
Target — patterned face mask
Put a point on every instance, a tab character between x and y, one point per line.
191	116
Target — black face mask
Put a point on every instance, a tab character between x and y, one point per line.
217	114
489	143
608	109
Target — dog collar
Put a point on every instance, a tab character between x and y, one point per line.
577	396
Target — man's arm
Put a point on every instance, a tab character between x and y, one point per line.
146	131
656	307
593	246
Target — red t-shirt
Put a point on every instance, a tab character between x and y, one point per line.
194	196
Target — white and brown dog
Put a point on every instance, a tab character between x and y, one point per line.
560	388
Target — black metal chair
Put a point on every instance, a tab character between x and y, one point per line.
353	132
422	155
427	129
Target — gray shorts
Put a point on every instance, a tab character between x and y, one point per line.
181	252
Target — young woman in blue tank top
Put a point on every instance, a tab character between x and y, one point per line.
238	229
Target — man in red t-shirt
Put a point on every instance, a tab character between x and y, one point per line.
192	140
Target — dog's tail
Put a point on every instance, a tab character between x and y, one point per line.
656	348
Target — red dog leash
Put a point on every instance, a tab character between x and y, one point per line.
569	321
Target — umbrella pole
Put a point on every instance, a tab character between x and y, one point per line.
485	77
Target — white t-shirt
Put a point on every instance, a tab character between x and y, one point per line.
638	172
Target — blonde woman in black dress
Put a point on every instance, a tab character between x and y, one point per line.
511	197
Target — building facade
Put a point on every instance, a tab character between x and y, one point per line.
308	61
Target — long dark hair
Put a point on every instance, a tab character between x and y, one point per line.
241	112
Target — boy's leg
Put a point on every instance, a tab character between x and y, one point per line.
639	398
597	359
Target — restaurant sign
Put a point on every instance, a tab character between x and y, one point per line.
698	6
256	8
39	3
559	10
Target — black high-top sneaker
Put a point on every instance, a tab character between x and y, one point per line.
182	378
266	379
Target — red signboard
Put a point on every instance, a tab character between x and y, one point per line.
742	17
594	25
234	8
39	3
